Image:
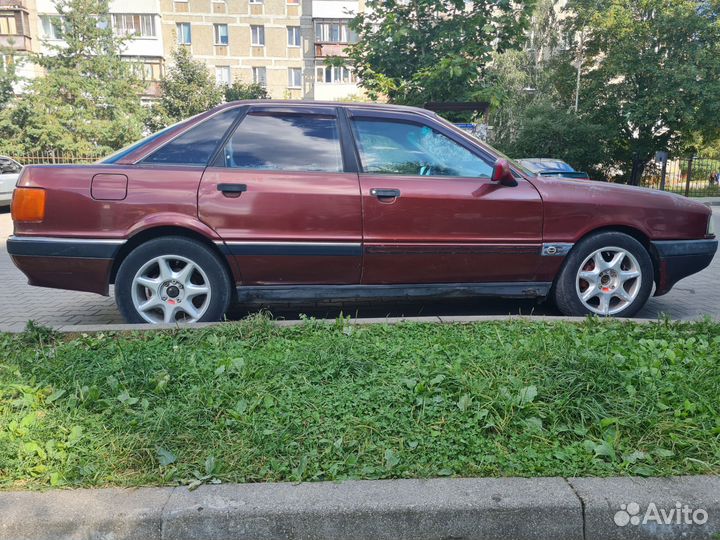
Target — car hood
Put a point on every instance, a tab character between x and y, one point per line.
658	214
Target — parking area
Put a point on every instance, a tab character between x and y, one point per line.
692	298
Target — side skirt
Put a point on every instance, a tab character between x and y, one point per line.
297	293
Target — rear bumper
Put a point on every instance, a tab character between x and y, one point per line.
678	259
65	263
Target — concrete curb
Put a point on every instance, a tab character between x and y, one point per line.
472	509
79	329
603	498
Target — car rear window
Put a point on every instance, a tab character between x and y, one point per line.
197	145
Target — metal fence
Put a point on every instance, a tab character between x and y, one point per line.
53	158
689	176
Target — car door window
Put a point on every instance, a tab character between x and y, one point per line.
197	145
285	142
406	148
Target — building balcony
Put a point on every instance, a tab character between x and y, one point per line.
13	4
323	50
18	43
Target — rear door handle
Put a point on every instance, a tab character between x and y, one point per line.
232	190
382	193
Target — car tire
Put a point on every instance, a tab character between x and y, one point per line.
172	280
605	274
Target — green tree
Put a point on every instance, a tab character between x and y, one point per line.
545	130
433	50
187	89
651	73
88	101
8	75
240	90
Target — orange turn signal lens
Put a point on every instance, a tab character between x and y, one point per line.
28	205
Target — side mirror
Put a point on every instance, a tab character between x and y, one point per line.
503	174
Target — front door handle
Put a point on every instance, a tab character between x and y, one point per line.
382	193
232	190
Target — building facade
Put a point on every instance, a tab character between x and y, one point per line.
249	40
331	34
140	20
281	44
18	18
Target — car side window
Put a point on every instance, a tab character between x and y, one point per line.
197	145
406	148
285	142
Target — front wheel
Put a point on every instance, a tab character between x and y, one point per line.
606	274
172	280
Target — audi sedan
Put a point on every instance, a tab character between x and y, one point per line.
259	202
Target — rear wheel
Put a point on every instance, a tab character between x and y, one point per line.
606	274
172	280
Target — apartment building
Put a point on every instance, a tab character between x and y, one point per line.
280	44
331	35
260	41
140	20
17	20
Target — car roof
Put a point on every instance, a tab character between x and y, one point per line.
345	104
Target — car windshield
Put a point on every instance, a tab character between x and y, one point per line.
542	165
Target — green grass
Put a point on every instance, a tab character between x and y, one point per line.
252	402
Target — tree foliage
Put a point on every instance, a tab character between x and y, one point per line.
88	101
187	89
8	76
651	72
240	90
549	131
432	50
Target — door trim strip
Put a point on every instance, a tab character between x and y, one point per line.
302	249
339	293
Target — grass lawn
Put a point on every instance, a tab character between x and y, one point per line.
251	402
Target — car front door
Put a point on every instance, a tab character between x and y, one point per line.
432	213
282	199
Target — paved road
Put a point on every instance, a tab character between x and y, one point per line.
692	298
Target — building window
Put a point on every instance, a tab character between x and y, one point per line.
293	36
134	25
260	76
334	75
222	75
184	33
8	26
334	32
256	1
148	69
221	34
258	35
295	77
52	26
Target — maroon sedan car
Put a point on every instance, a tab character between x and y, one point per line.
256	202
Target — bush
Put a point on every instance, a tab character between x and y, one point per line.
547	131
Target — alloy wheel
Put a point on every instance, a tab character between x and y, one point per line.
170	289
608	281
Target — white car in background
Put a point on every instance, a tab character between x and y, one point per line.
9	173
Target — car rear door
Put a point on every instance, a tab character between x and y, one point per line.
283	199
431	212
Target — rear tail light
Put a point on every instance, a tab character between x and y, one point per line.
28	205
